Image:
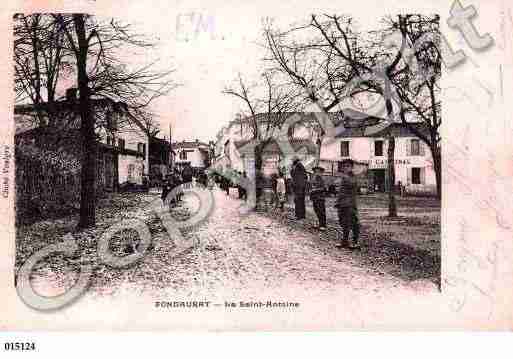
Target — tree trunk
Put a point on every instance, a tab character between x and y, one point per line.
88	169
437	164
392	207
258	157
258	173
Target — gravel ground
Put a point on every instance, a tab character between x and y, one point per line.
239	255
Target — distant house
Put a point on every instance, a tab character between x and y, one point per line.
194	153
232	143
273	154
361	137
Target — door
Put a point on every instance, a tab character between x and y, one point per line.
379	180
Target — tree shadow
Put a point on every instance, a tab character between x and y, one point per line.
379	252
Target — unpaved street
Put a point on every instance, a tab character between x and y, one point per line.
237	256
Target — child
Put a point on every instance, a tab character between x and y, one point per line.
347	206
281	191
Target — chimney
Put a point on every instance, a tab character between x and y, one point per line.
71	94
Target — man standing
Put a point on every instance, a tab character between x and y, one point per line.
187	175
167	187
347	206
244	184
318	195
299	181
177	182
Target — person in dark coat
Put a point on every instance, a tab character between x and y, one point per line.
177	181
167	187
259	187
274	184
187	174
299	182
226	184
203	178
347	206
244	183
318	196
238	179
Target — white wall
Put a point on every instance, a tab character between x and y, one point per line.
362	149
196	157
125	163
359	149
132	135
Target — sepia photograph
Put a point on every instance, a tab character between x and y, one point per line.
248	168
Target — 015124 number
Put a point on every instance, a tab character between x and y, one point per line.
15	346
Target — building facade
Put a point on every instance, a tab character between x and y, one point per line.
366	145
122	143
413	164
233	148
194	153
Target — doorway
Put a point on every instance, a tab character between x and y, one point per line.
379	180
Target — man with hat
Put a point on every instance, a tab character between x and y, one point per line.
347	206
299	181
318	195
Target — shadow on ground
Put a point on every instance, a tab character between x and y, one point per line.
380	251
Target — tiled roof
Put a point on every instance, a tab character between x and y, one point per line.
274	148
354	121
189	144
396	129
66	106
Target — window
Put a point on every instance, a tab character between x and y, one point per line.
415	175
344	149
378	148
140	147
183	155
109	140
121	143
415	147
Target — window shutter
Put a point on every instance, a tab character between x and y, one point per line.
422	146
409	170
422	175
408	147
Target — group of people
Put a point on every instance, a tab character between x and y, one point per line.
174	180
279	188
346	201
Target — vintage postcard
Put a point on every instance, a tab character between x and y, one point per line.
265	165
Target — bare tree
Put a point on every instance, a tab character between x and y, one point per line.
40	61
267	105
341	56
417	81
96	47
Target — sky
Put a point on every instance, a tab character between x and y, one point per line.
208	43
